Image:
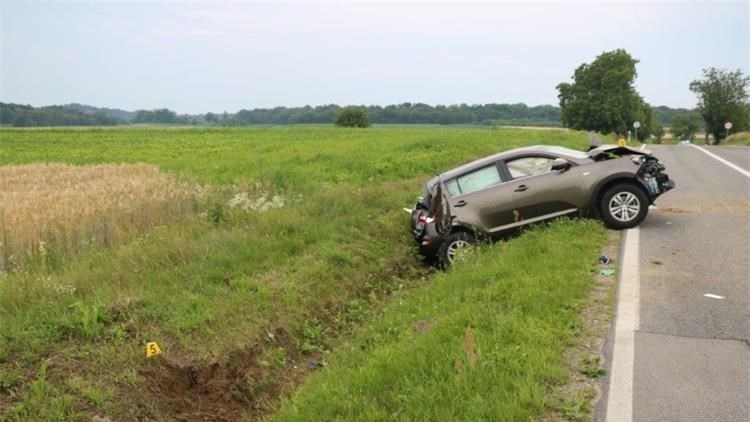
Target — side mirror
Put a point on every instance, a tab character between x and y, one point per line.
560	164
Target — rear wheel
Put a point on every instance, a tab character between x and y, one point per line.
454	247
623	206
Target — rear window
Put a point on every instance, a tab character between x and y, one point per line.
474	181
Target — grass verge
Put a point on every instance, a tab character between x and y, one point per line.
485	341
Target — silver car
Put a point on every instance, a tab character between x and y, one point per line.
496	195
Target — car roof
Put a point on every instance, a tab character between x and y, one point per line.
541	149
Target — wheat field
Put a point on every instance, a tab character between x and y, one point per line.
60	208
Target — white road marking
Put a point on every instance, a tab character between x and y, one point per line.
643	146
713	296
723	161
620	395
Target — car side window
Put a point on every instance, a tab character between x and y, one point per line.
452	186
474	181
528	166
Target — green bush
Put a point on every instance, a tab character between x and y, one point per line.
352	117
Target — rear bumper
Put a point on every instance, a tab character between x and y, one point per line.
429	241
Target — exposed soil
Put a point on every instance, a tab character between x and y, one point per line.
248	384
423	326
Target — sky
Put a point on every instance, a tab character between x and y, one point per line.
194	57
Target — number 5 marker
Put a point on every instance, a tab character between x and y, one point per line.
152	349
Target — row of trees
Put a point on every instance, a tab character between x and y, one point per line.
602	98
23	115
405	113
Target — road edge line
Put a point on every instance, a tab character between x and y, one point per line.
627	320
723	161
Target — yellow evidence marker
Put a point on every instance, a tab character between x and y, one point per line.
152	349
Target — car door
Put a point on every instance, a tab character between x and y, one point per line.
539	192
479	199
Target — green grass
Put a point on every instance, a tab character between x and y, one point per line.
481	342
309	273
288	157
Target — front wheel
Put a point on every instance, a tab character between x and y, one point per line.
623	206
454	247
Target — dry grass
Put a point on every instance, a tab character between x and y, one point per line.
58	209
740	138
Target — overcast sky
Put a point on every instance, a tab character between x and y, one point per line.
204	56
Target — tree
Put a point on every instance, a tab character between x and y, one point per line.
657	129
685	126
602	97
352	117
644	116
723	97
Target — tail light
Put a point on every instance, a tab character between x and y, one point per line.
425	219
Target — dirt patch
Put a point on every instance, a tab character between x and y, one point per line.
423	326
725	205
247	385
676	210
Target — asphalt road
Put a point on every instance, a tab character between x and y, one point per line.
691	359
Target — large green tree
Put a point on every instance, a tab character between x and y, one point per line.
657	129
723	97
643	115
602	96
686	125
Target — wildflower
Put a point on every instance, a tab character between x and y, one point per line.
64	289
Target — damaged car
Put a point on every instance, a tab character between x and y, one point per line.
495	196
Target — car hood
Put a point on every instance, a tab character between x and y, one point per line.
597	152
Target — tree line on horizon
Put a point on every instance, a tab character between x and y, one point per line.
406	113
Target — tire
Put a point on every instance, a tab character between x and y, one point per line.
452	247
623	206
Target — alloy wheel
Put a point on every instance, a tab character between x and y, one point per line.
457	249
624	206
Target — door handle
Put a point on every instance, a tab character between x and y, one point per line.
520	188
460	203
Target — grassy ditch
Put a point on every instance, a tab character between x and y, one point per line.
296	239
484	341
